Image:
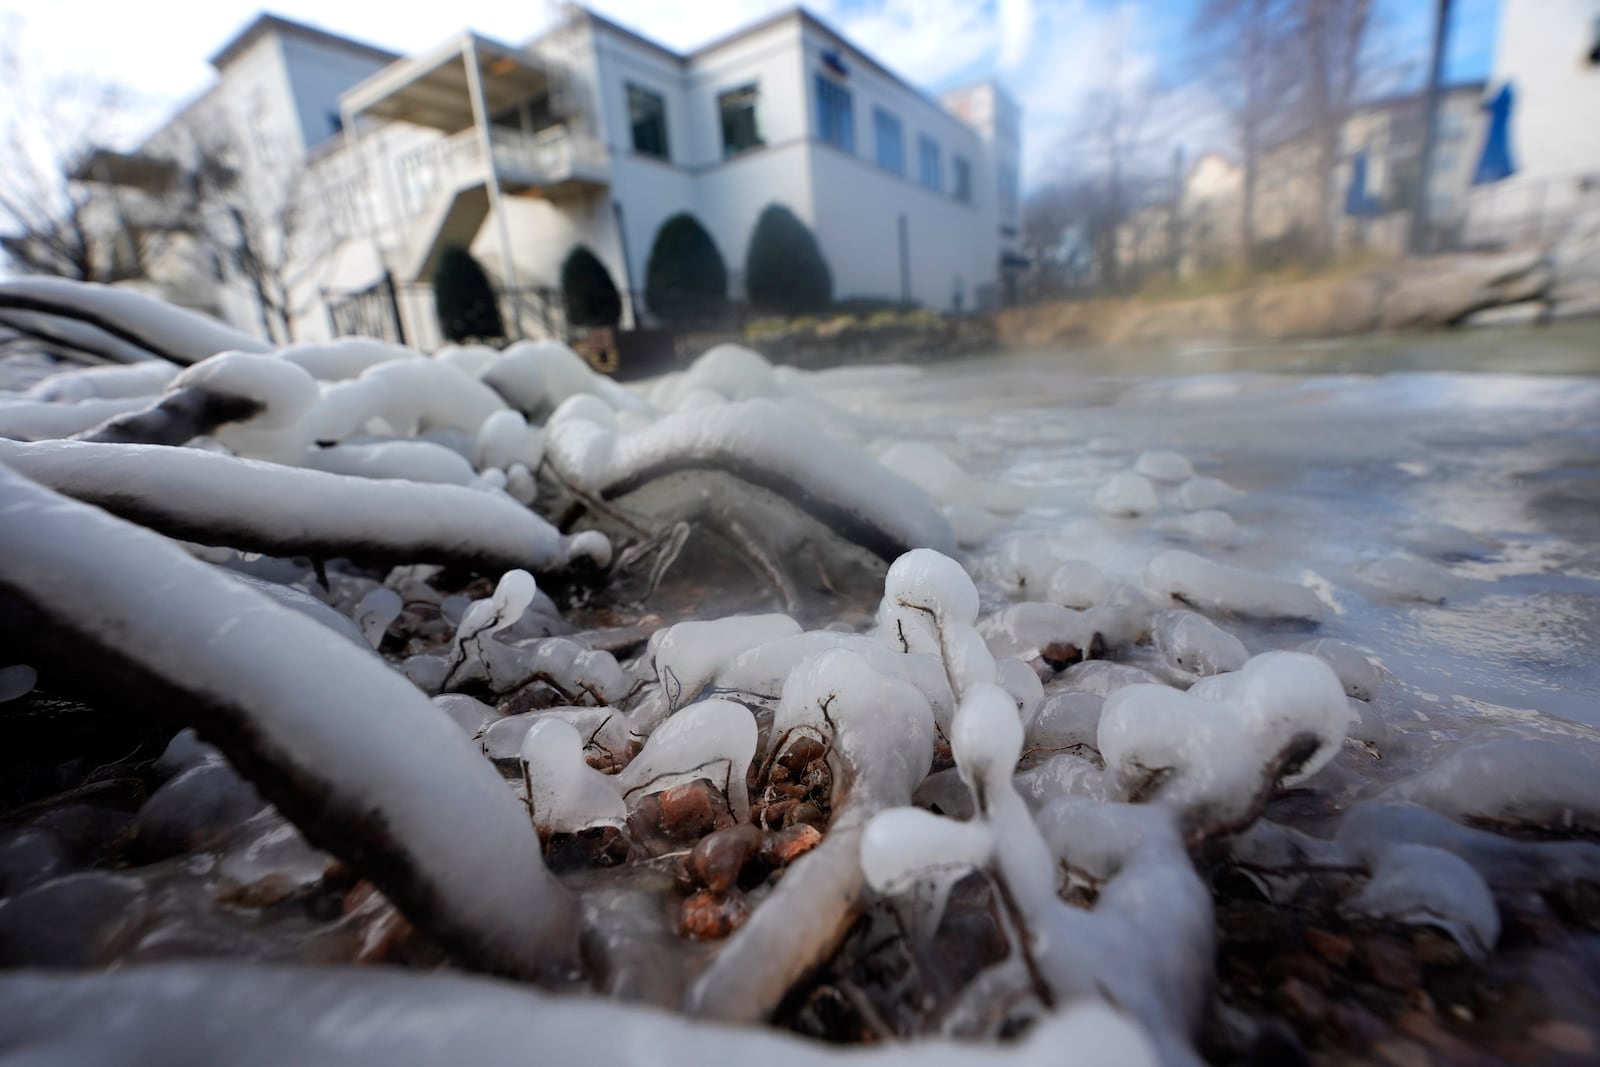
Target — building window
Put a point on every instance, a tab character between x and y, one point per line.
835	119
963	176
1008	192
647	114
890	141
929	172
741	130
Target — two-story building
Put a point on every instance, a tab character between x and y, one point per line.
592	134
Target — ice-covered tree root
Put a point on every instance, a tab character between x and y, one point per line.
879	731
362	762
760	444
214	499
172	1015
115	325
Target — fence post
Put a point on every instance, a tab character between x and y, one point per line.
394	305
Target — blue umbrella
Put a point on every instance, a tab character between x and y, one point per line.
1357	201
1495	163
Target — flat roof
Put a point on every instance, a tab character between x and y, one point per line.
266	23
761	25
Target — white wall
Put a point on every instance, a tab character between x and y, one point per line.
856	204
1542	51
317	72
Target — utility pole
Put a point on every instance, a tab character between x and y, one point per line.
1430	135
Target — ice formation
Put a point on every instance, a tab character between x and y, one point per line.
1196	645
145	1017
1425	885
1218	587
1283	715
114	324
1021	765
565	793
16	681
218	499
1128	494
298	710
1164	465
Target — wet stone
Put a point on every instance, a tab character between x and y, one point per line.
709	916
195	810
1302	1002
599	846
29	855
693	810
1334	948
719	857
1390	963
76	921
788	845
87	830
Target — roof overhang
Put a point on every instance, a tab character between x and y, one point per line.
131	169
432	89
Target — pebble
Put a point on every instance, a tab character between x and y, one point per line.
1391	964
788	845
719	857
708	916
1335	948
693	809
1301	1002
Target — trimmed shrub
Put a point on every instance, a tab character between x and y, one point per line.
784	270
685	282
591	296
463	298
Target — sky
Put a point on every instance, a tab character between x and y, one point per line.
1050	54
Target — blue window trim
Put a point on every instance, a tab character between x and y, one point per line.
835	113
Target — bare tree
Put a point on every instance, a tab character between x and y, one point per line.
1109	150
54	219
257	226
1243	52
1332	36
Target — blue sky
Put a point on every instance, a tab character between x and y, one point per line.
1049	53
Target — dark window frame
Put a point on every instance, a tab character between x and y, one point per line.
637	123
751	106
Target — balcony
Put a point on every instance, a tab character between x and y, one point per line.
552	163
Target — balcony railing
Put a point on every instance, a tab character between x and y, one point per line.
548	159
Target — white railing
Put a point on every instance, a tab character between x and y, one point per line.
544	159
441	164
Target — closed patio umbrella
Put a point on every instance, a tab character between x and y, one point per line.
1357	201
1495	164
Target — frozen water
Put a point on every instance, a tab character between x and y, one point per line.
1424	885
1218	587
1128	494
1164	465
566	794
16	681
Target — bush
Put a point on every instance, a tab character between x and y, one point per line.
784	270
591	296
685	282
464	300
873	305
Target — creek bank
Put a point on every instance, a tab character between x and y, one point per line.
1501	288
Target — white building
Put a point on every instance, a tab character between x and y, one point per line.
1548	51
591	134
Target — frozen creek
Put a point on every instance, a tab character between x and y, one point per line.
1220	706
